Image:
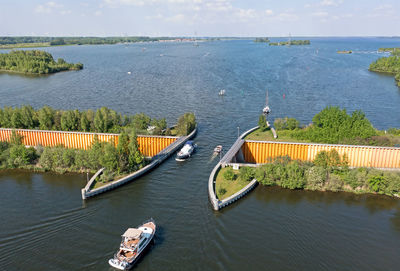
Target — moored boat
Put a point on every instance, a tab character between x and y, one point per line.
218	149
134	243
186	151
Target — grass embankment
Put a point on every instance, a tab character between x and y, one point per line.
228	182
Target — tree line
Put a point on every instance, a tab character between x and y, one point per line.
292	42
103	120
261	40
78	40
124	158
335	126
34	62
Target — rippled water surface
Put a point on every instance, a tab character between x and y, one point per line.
46	226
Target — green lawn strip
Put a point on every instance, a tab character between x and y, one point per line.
231	187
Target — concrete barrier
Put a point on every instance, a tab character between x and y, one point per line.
226	160
157	159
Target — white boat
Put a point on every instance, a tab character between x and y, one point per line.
221	92
186	151
218	149
134	243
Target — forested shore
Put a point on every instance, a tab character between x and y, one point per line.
117	160
34	62
292	42
389	64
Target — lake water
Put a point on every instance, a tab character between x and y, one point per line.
46	226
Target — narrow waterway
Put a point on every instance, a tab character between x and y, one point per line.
46	226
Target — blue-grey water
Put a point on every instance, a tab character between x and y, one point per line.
46	226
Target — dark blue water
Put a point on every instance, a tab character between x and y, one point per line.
47	224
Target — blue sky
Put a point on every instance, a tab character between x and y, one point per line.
201	17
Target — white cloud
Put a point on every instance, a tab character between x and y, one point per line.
47	7
176	18
65	12
98	13
320	14
269	12
288	17
328	3
383	7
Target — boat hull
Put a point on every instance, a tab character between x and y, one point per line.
118	265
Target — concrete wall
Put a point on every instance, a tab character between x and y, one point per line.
148	145
358	156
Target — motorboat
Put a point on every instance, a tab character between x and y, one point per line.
218	149
134	243
221	92
186	151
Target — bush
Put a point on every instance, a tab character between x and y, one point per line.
262	122
286	124
316	177
334	183
295	176
229	174
378	183
246	173
221	191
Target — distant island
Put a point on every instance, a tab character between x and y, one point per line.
262	40
394	51
389	64
34	62
292	42
344	52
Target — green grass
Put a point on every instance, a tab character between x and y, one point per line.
231	187
266	135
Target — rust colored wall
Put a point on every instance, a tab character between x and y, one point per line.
358	156
148	145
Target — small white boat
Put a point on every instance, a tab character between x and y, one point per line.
221	92
186	151
134	243
129	72
218	149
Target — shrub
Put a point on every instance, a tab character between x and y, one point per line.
295	176
221	191
334	183
316	177
246	173
378	183
229	174
262	122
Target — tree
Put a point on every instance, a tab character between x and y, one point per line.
46	118
109	159
262	122
229	174
135	158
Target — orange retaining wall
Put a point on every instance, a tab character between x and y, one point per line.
358	156
148	145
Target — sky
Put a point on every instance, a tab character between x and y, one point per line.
200	18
